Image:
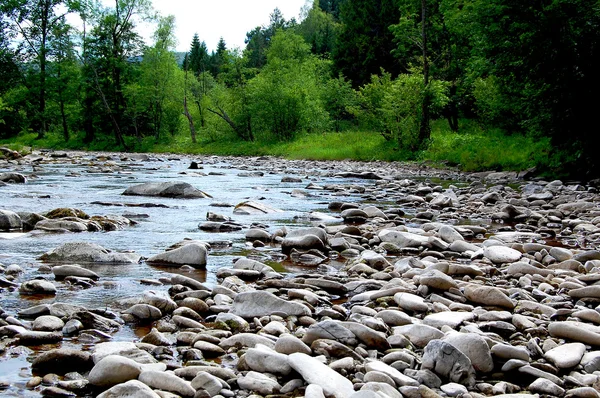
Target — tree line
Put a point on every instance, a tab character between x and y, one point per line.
390	66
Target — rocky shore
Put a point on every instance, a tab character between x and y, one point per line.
489	286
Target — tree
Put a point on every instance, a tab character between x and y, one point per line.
545	57
231	100
338	98
331	7
198	56
34	21
110	47
158	80
11	79
286	95
365	43
402	108
319	29
218	57
424	42
258	40
64	74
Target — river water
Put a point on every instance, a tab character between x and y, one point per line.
90	179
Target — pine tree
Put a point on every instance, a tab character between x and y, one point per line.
198	57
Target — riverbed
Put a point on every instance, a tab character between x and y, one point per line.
302	192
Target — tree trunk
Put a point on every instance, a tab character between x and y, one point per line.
42	55
425	128
61	103
223	115
452	110
186	112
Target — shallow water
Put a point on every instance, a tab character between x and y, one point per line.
77	184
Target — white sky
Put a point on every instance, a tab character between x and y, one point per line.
212	19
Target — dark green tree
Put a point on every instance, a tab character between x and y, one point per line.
258	40
218	57
331	7
365	43
198	56
64	76
320	30
545	57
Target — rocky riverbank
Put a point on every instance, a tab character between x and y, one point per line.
487	286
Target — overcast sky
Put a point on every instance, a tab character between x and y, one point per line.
212	19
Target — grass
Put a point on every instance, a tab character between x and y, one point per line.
473	148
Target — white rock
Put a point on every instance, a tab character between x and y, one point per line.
501	254
399	378
258	382
447	318
566	355
114	369
314	391
474	347
261	303
265	360
168	382
131	389
315	372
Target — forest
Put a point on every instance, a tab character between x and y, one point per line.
437	80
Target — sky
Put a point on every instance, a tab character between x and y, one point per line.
212	19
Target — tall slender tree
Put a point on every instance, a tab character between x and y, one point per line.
34	21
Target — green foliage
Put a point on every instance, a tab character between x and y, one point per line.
198	56
522	68
368	108
545	57
285	96
479	149
320	30
402	104
365	43
338	99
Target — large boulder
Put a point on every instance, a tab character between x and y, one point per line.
61	225
448	362
193	253
403	239
261	303
84	252
61	361
167	382
172	189
37	286
114	369
9	221
487	295
13	177
63	271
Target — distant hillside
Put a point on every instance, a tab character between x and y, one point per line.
179	56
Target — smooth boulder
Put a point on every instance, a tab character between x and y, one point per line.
194	254
260	303
179	190
85	252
